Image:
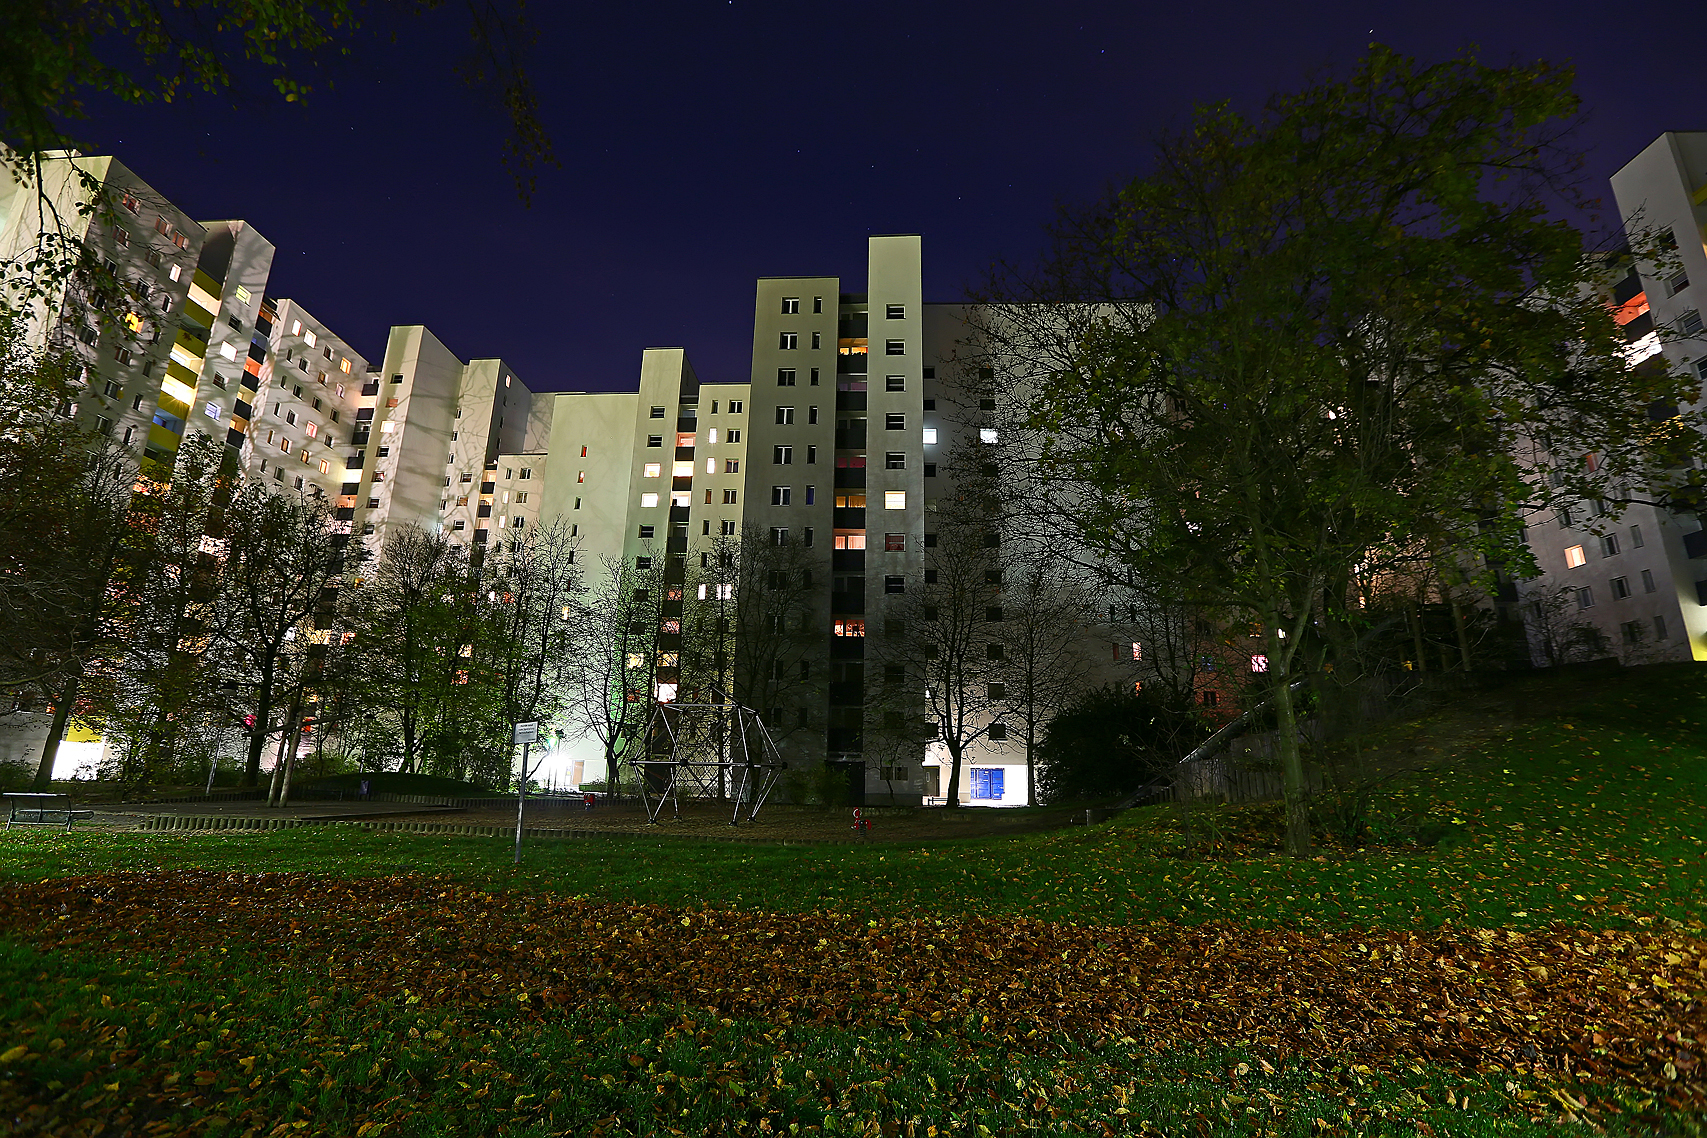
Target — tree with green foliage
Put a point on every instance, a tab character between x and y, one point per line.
1348	324
1112	741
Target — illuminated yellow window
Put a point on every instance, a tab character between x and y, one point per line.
1574	558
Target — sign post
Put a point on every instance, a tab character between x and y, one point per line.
526	734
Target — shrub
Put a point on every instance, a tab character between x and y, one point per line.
1112	741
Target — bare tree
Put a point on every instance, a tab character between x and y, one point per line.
946	643
537	589
1046	643
283	557
612	691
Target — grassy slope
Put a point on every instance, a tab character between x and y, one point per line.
1590	815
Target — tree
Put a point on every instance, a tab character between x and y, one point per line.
1043	612
404	621
536	591
612	690
1113	740
282	559
945	644
1346	325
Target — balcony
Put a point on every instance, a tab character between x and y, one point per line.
488	487
371	388
851	438
1695	544
849	517
850	603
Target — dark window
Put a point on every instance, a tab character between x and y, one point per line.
895	460
646	531
782	456
993	651
894	383
894	584
657	412
654	440
994	613
998	731
894	543
785	377
895	421
899	347
930	470
895	312
930	576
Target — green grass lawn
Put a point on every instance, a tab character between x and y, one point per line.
1591	818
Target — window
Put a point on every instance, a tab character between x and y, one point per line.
731	465
1632	631
994	651
895	312
1574	558
784	416
781	495
782	456
894	584
894	543
1620	588
527	472
785	377
1635	537
894	499
654	440
930	436
735	436
851	500
1564	516
811	454
817	339
791	306
522	497
779	535
643	563
894	383
176	274
811	495
895	460
987	781
735	406
657	412
1609	545
895	421
729	500
788	340
1585	598
580	476
849	626
647	531
1209	698
1690	323
895	347
812	414
1647	580
850	541
652	470
987	435
647	501
1659	628
817	304
459	524
814	377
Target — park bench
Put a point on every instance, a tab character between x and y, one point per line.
42	810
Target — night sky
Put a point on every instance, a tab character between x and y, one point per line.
706	144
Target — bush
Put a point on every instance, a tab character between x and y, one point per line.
1112	741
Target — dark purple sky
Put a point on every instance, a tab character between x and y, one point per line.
706	144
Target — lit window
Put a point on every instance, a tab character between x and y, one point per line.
177	272
1137	650
894	543
850	541
894	499
1259	663
1574	558
309	337
711	466
212	410
682	468
325	466
580	476
647	501
930	436
848	626
653	469
228	350
987	435
344	366
711	435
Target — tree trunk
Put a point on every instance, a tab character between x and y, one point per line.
50	748
1463	633
1291	761
1417	635
1030	765
952	797
258	735
289	768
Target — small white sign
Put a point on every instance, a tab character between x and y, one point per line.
526	733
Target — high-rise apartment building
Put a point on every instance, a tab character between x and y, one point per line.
1640	583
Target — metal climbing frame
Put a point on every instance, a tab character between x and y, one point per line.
705	750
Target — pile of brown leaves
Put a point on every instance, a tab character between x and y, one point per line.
1610	1006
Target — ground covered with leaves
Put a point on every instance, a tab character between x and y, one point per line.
1537	970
